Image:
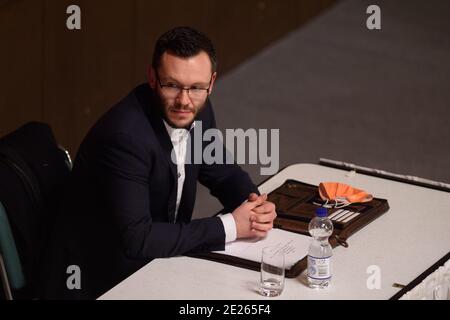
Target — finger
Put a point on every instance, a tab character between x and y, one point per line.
262	226
259	201
252	197
263	218
259	234
266	207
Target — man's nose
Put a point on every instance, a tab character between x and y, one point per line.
183	97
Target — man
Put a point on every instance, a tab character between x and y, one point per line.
128	202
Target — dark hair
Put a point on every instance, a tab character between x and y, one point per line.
183	42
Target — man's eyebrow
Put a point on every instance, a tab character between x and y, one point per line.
200	84
170	79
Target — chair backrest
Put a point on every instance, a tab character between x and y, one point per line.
33	171
12	268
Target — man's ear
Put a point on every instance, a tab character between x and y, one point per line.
213	79
151	76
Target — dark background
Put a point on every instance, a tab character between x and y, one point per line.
69	78
376	98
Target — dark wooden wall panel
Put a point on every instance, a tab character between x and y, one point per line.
20	63
87	70
69	78
243	29
155	17
239	29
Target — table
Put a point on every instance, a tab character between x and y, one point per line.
401	244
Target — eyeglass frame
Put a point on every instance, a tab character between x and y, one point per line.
181	89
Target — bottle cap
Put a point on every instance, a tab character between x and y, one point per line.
321	212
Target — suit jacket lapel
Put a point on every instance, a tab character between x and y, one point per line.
149	105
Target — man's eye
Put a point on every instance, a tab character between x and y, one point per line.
172	85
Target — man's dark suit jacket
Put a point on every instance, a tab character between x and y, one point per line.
119	211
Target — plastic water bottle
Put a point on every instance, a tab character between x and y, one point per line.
320	252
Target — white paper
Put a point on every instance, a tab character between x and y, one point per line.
295	246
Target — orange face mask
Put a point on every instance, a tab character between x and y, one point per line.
342	194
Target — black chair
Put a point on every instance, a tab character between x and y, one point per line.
33	172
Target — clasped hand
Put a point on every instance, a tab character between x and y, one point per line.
254	218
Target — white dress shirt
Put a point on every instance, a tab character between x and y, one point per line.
179	138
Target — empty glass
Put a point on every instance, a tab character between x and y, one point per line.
272	272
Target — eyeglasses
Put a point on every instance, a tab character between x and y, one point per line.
172	90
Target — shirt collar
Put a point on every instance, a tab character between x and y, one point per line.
175	133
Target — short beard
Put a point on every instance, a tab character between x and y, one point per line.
162	108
